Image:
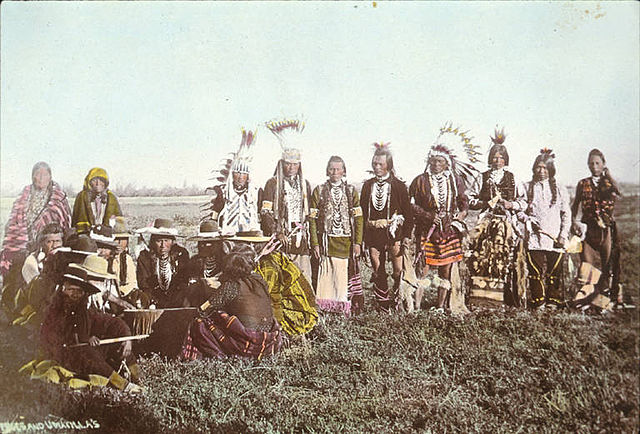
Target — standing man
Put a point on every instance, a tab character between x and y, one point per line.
547	219
386	211
285	201
336	235
439	201
234	205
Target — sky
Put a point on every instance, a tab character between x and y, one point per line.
158	92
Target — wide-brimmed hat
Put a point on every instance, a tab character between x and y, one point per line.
80	277
208	231
120	229
249	237
95	267
103	236
82	244
161	226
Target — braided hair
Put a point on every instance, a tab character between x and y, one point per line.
546	157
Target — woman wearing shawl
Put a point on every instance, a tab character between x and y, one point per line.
39	204
95	204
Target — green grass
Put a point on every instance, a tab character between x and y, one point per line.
493	372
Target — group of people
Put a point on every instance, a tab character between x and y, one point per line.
269	258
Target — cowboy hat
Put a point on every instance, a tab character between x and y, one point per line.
208	231
103	236
161	227
249	237
120	228
79	277
94	267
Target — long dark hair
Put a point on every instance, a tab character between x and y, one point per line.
498	147
606	174
547	158
383	150
238	263
337	159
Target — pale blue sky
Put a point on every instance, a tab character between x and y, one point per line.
156	92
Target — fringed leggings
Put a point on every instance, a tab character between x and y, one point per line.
545	271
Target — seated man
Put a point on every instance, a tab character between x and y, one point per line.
237	319
206	264
124	268
69	322
162	270
108	298
25	292
49	239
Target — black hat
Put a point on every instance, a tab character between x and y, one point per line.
103	236
80	278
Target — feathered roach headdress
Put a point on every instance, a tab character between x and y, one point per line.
456	147
498	136
239	161
547	157
548	152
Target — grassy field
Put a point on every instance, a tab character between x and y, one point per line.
497	371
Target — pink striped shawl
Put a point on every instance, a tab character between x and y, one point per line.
16	237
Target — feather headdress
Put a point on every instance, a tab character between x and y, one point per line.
548	151
456	147
382	146
239	161
498	137
287	131
498	147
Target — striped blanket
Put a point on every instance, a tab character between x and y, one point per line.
223	335
17	232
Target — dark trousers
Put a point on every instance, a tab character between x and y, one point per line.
545	270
